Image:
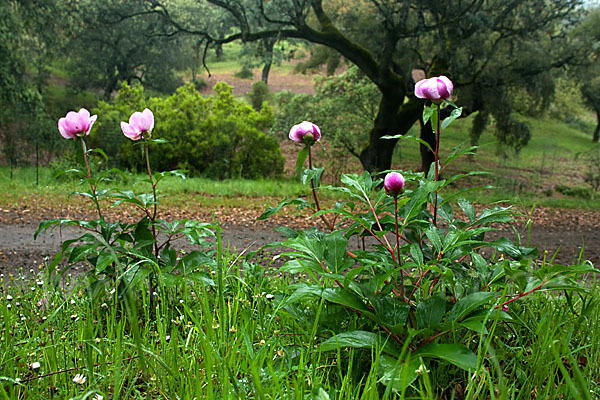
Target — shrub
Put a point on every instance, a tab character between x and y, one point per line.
218	136
259	94
244	73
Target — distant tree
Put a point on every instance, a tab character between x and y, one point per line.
485	46
29	36
588	72
109	48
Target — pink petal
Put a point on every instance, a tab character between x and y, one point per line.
130	131
72	123
64	131
136	120
91	123
448	83
296	134
147	120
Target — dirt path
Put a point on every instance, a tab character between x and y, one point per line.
18	249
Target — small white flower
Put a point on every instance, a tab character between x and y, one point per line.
73	301
8	306
9	297
79	379
98	397
270	296
40	283
35	365
421	370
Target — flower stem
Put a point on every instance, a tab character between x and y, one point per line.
314	192
437	162
398	248
153	218
89	176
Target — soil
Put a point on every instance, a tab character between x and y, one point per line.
566	232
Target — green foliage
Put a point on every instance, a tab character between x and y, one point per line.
259	94
344	106
422	289
218	136
319	56
244	73
136	48
568	104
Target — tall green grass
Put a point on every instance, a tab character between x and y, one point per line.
234	337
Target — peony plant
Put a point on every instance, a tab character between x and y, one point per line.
121	254
424	285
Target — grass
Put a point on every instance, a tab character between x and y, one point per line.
230	61
556	155
237	338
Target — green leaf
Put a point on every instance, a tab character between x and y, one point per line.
454	353
399	375
428	112
363	184
429	312
101	152
408	137
313	175
503	245
304	293
453	115
416	253
468	209
468	304
335	245
345	298
301	203
433	234
357	340
104	260
302	154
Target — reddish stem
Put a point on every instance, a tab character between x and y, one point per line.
437	158
417	285
89	175
314	192
521	295
398	248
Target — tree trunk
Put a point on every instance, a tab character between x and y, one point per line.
393	118
597	130
427	156
269	43
218	51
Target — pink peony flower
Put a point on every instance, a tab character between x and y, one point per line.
393	184
76	124
435	89
305	132
140	124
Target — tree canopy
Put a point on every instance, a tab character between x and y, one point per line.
487	47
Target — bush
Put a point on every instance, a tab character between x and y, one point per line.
344	106
259	94
218	136
244	73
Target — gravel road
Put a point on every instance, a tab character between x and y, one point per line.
19	250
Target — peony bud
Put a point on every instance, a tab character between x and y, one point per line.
393	184
435	89
76	124
140	124
305	132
